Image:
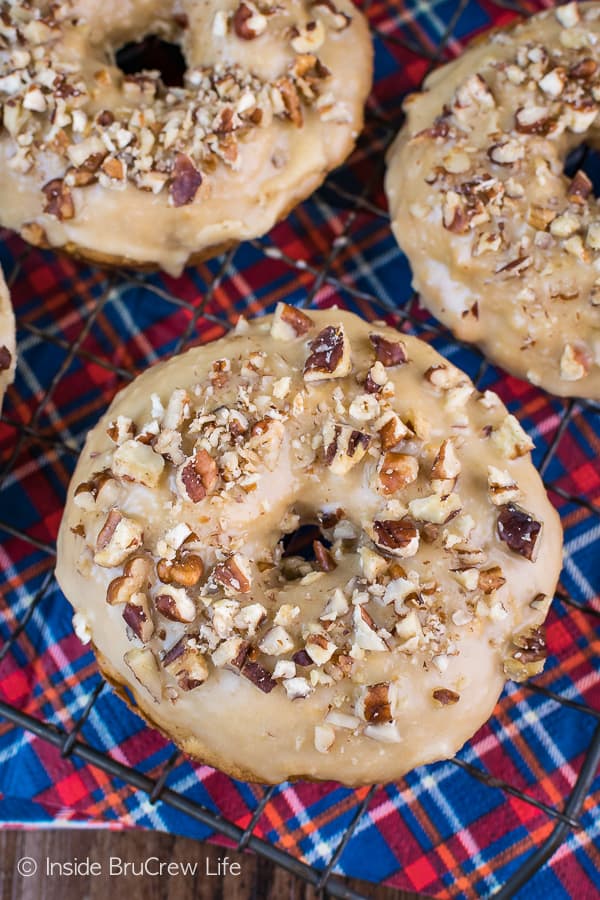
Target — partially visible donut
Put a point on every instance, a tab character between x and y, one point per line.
504	247
429	586
122	169
7	339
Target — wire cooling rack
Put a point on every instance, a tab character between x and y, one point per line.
83	333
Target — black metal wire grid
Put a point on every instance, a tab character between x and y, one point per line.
565	817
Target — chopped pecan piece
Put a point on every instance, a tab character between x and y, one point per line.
396	471
329	355
185	570
343	447
198	476
325	561
491	579
580	188
301	658
291	100
234	573
136	577
519	530
397	536
320	648
118	538
534	120
528	654
502	488
377	703
185	181
445	697
289	322
365	631
59	201
186	663
388	353
175	604
5	358
446	466
138	617
136	461
276	642
392	432
248	23
259	676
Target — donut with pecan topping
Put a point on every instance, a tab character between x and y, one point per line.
7	339
504	244
125	168
292	586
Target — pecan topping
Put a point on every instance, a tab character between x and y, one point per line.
325	561
59	202
199	476
329	355
259	676
185	181
532	645
246	23
234	574
301	658
135	578
137	616
491	579
584	69
534	120
291	100
175	605
5	358
397	471
185	570
186	664
388	353
528	654
580	188
519	530
396	534
445	697
344	447
289	322
108	529
377	705
392	432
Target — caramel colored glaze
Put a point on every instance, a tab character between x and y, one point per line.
429	587
180	172
504	247
7	339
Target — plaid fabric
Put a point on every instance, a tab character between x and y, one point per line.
83	333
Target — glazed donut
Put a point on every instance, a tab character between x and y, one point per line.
436	561
7	339
120	168
504	247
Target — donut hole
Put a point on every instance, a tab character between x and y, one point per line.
153	53
298	556
587	159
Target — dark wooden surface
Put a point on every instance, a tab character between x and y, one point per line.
258	879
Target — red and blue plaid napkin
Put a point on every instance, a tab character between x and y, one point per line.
84	332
